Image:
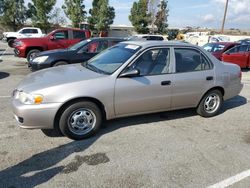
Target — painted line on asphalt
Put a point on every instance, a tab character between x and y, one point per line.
232	180
3	53
5	96
8	135
7	122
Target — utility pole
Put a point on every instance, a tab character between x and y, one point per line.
224	19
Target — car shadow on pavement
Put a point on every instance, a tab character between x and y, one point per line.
43	166
233	103
4	75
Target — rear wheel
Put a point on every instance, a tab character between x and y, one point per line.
80	120
210	104
59	63
32	54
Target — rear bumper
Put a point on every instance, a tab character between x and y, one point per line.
35	116
4	39
233	91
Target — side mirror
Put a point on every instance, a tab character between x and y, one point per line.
130	73
52	37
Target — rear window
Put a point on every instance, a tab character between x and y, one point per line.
79	35
210	47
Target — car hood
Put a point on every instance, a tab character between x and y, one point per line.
58	51
56	76
33	40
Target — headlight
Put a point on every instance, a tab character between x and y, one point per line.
27	98
40	59
18	43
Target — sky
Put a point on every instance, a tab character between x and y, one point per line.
182	13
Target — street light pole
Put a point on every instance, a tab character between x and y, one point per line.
224	19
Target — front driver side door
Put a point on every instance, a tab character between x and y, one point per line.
149	92
59	40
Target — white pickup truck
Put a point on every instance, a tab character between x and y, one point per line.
27	32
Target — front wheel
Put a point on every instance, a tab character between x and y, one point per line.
80	120
210	104
32	54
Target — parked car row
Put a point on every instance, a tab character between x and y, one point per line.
231	52
126	78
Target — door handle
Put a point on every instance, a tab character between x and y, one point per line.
210	78
164	83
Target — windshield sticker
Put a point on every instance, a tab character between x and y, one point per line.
132	47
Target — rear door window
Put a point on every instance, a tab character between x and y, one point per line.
189	60
79	35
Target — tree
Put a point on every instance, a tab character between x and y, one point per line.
74	10
101	15
1	7
152	9
57	18
161	20
39	12
139	16
13	13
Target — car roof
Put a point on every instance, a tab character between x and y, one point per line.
65	28
146	44
143	35
225	43
107	38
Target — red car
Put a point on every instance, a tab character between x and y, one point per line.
59	38
239	55
218	48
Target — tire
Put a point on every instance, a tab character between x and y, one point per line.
32	54
210	104
59	63
80	120
11	42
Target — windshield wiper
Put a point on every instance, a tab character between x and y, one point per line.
93	68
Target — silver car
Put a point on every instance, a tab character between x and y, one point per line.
128	79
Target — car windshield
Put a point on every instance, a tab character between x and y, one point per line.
214	47
79	44
111	59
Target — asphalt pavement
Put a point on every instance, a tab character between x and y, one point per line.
171	149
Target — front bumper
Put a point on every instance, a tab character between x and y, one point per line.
36	66
19	51
35	116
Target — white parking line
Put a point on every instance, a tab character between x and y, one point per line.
3	53
8	135
7	122
232	180
4	96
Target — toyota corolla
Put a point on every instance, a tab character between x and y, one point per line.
128	79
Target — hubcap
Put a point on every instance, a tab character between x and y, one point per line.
81	121
212	103
32	55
